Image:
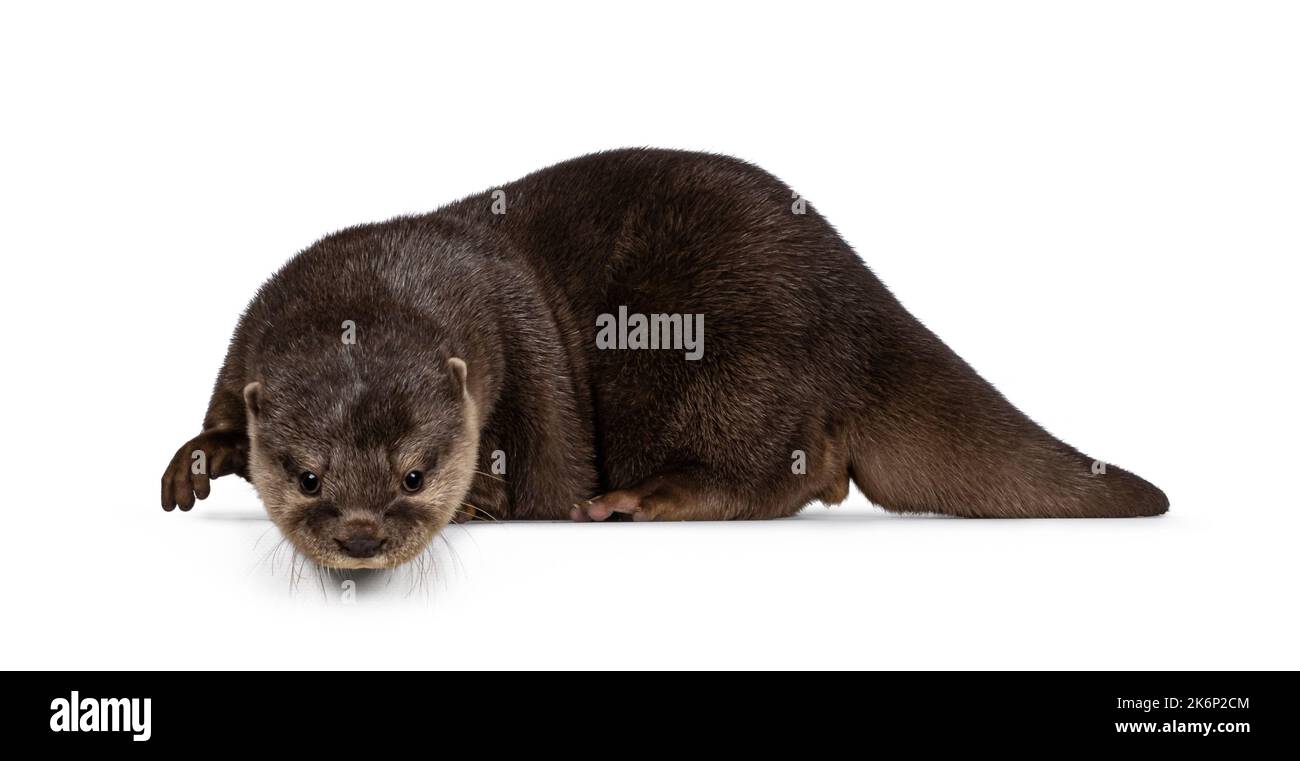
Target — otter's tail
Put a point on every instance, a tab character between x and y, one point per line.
938	438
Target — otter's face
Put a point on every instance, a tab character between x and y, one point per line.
361	473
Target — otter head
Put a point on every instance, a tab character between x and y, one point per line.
361	466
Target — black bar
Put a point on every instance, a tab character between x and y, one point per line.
211	711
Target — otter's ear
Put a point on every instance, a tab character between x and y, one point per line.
253	399
458	371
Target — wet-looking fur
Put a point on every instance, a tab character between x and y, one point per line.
474	347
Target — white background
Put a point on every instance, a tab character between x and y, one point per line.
1094	203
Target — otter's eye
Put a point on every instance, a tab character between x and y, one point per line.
413	481
309	482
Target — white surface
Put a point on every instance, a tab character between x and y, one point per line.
1095	205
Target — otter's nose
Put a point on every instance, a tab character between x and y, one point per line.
361	545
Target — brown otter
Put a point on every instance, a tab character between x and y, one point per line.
473	345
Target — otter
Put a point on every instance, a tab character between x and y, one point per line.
395	377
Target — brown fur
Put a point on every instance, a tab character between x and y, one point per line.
805	350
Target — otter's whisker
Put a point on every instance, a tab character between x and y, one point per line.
262	536
478	509
455	556
458	565
274	553
421	570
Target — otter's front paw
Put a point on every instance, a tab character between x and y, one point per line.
209	455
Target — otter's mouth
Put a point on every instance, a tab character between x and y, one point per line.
384	554
378	562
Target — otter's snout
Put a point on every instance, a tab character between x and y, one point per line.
360	543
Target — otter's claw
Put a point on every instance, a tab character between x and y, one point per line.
616	504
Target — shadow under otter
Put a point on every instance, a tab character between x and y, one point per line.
397	376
